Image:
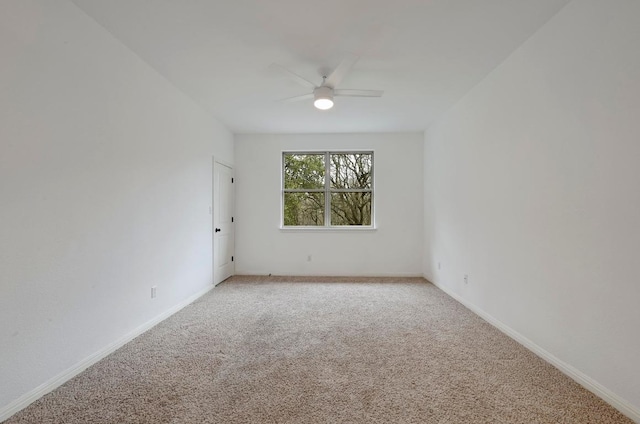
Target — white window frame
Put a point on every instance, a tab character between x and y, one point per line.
327	190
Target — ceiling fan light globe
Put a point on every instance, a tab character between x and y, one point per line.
323	104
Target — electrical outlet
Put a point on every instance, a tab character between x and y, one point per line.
466	279
154	292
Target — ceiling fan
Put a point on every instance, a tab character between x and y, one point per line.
324	93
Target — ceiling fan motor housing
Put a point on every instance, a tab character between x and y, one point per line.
323	92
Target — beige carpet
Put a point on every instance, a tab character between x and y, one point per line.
280	350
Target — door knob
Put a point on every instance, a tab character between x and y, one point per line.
218	230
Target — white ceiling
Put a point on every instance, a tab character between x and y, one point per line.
424	54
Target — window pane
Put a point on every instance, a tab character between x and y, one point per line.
351	170
303	171
351	208
304	209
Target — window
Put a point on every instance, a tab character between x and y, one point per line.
327	189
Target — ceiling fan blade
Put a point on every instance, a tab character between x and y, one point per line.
297	98
341	71
357	93
297	78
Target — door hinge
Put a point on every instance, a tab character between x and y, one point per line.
231	180
231	219
232	259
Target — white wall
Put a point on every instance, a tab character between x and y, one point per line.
105	187
395	248
532	189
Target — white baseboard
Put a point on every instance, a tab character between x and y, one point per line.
328	274
584	380
55	382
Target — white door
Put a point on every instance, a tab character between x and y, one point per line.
223	234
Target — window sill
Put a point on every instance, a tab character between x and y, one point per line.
327	229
